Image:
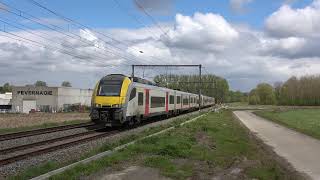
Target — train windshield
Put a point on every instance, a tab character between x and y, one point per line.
110	88
111	85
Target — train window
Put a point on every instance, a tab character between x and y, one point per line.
140	99
157	102
171	99
133	94
185	101
178	99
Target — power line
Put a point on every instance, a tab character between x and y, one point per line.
23	13
126	11
33	19
84	26
43	37
35	43
152	19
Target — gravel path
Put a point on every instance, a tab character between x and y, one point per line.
75	152
300	150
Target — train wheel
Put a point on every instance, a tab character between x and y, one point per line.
129	123
137	120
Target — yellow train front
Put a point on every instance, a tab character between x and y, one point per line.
108	100
118	100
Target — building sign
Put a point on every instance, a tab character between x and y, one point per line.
45	93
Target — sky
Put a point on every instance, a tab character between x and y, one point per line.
245	41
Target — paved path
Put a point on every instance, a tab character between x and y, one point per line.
302	151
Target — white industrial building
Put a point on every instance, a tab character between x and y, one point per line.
48	99
5	102
5	98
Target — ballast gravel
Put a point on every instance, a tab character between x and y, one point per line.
41	137
74	153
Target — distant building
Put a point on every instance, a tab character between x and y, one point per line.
48	99
5	102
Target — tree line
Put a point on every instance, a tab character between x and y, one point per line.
303	91
212	85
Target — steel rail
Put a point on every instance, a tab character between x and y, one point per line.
40	143
9	136
54	148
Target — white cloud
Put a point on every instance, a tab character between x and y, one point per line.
239	53
286	21
238	5
209	32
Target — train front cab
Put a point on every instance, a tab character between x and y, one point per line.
109	100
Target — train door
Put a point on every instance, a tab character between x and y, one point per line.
167	101
175	100
147	100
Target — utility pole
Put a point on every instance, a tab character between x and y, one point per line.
200	85
132	75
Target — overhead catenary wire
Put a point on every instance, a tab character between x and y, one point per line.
126	11
87	27
29	41
55	27
47	39
151	17
43	45
22	15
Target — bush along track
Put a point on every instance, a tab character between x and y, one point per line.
214	146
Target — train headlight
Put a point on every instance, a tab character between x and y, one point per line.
115	105
98	105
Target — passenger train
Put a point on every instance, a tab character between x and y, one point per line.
118	100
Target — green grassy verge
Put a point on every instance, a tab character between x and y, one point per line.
246	106
213	145
50	165
303	120
236	104
45	125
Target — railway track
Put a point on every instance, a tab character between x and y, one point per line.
9	136
19	153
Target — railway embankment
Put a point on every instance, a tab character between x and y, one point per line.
36	164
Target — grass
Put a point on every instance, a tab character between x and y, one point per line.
37	170
49	166
236	104
306	121
214	143
44	125
246	106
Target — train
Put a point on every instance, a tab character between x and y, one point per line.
120	100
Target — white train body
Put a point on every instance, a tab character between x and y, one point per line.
141	101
